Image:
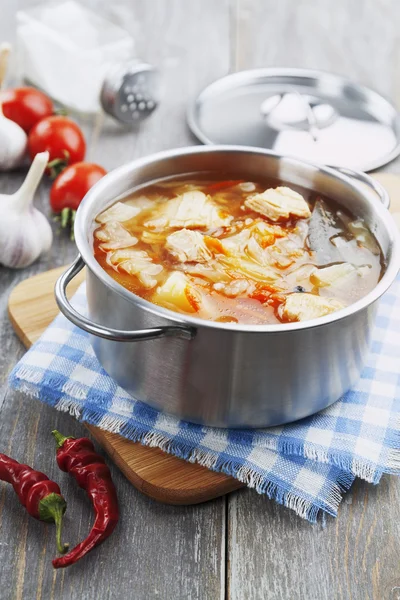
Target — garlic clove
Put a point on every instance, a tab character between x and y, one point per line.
25	233
24	196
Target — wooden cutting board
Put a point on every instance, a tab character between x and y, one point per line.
161	476
31	308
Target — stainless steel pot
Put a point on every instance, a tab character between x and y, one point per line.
225	374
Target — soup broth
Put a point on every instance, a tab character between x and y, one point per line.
236	251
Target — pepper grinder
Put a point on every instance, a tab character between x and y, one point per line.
130	91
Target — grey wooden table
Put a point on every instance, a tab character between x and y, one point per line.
241	547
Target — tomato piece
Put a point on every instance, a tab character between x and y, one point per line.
275	300
61	137
263	293
221	185
70	187
25	106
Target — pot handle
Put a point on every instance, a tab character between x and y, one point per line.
116	335
369	181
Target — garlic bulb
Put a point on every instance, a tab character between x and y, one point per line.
13	143
25	233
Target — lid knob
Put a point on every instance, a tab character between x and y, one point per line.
293	110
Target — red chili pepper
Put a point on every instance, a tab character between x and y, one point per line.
41	497
79	458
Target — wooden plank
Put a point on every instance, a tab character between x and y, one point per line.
158	550
272	554
346	40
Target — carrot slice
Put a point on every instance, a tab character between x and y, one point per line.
214	244
193	301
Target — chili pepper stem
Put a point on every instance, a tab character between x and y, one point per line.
60	438
51	510
58	520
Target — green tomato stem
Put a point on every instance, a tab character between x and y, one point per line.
65	215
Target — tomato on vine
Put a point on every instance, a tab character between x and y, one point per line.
71	186
62	138
25	106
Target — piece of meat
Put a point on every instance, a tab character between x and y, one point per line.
266	233
304	306
234	288
141	202
188	246
279	203
190	210
334	274
114	236
138	263
120	211
252	240
235	245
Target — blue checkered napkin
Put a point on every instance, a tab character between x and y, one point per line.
305	466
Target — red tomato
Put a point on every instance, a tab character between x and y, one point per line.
60	136
72	184
25	106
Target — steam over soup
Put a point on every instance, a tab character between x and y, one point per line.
237	251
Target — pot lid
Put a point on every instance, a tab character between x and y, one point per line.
315	116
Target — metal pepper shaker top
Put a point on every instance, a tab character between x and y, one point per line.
131	91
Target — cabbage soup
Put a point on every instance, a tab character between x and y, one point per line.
235	251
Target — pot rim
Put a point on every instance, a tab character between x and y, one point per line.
85	249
